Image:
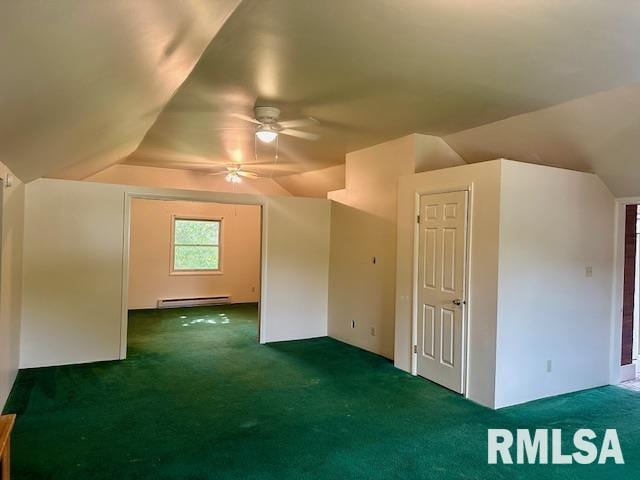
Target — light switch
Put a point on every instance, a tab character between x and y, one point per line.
589	271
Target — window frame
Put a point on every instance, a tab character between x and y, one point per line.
172	253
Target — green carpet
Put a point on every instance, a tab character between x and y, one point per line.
199	398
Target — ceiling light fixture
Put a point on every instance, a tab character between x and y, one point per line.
266	133
233	177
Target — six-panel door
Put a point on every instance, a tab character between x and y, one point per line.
441	288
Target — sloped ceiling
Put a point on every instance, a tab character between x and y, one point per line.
375	70
82	81
599	133
89	79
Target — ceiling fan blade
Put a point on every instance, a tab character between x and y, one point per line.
243	163
299	134
265	169
219	173
301	122
252	175
246	118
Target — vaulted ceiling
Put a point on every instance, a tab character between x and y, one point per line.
598	133
157	83
82	82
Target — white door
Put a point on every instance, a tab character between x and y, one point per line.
442	289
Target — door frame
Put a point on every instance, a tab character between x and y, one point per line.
126	240
467	279
618	372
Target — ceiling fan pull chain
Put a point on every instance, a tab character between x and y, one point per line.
275	158
255	148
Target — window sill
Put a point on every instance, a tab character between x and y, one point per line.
195	272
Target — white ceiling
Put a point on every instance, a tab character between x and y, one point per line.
375	70
82	81
599	133
369	70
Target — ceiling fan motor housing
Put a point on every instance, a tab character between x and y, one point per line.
267	114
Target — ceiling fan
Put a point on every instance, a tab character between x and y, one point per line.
234	174
269	127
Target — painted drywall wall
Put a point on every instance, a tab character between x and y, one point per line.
363	228
484	181
73	243
433	153
12	218
534	232
184	179
295	287
150	276
74	273
554	225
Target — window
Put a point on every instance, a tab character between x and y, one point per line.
196	245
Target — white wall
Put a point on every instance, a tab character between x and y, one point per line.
295	288
363	226
72	287
74	274
554	223
534	230
484	181
12	223
150	254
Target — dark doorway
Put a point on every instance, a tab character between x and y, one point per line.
629	302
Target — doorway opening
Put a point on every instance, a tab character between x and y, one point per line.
630	298
194	272
441	276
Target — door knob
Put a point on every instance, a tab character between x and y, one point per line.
459	302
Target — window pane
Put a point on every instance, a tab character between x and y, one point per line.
196	258
196	232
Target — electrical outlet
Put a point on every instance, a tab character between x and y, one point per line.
588	271
373	331
548	366
353	324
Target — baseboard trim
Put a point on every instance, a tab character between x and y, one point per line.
628	372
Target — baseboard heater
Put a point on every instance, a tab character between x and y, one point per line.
193	302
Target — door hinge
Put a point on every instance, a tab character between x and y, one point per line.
418	218
415	349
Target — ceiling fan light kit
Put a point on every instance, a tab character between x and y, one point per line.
233	177
266	133
269	127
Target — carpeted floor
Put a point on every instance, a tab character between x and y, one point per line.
199	398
